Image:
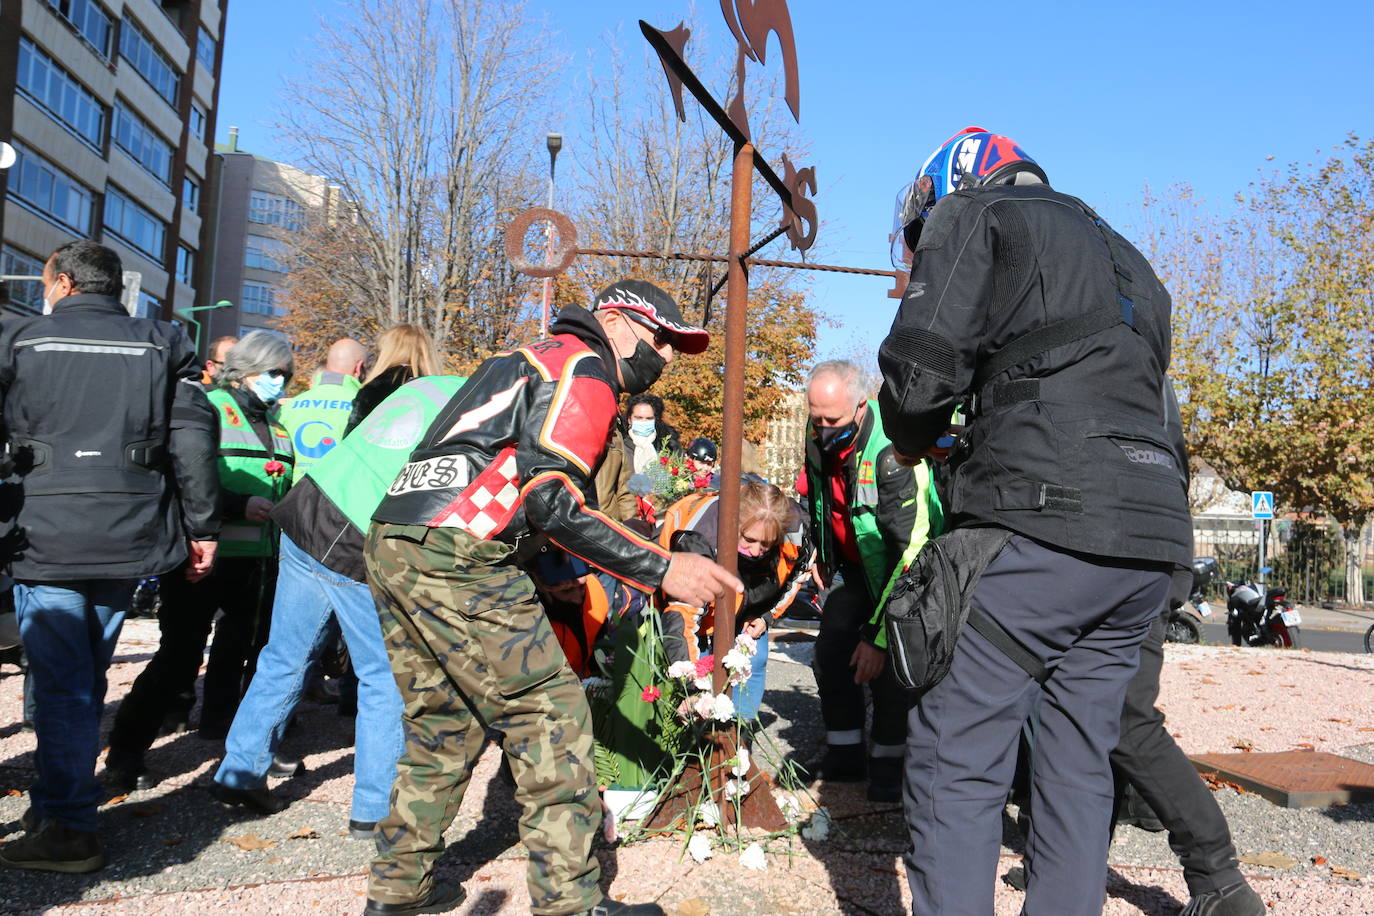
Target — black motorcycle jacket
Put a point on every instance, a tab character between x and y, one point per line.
1053	332
514	453
115	446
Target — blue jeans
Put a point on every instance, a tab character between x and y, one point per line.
749	695
307	593
69	632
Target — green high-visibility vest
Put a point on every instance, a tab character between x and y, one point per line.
242	463
317	417
863	513
356	473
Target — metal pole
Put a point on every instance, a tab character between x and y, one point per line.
554	143
732	430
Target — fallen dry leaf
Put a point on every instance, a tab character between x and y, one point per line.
1244	744
148	810
1215	782
1340	721
116	800
1254	671
1303	745
693	907
305	833
174	841
275	861
13	793
1269	860
1364	728
1319	860
1338	871
250	841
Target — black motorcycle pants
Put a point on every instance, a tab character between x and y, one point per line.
1152	762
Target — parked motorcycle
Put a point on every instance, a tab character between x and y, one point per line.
1260	616
1186	626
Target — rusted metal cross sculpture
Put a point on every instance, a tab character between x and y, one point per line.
752	23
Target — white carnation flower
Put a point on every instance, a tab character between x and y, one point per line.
791	808
723	708
746	644
735	660
741	762
703	682
753	858
683	669
699	848
708	813
819	826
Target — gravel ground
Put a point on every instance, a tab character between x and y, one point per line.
170	851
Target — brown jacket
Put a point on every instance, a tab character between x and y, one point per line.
613	481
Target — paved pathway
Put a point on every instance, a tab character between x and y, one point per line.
172	850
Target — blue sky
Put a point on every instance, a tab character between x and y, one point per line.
1108	96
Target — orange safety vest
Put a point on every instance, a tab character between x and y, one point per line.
683	515
577	641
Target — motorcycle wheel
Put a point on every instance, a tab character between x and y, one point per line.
1182	628
1233	630
1283	637
1369	639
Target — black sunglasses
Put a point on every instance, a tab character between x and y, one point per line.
661	337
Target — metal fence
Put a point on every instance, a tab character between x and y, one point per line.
1307	558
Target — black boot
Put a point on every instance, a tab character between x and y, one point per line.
126	772
55	847
1232	900
258	800
609	907
844	763
885	779
441	899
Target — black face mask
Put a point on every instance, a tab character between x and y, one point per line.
759	564
641	369
835	438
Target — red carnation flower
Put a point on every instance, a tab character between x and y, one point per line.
675	469
705	665
274	468
650	694
663	460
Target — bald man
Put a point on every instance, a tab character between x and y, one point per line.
316	418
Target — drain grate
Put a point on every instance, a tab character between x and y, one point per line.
1294	779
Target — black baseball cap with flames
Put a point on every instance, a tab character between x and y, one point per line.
655	307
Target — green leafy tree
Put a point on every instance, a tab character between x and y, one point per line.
1274	335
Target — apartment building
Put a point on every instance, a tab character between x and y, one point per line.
110	105
259	209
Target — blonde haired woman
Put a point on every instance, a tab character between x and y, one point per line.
404	352
775	559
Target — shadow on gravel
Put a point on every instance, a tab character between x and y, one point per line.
1350	814
141	839
1316	660
1150	899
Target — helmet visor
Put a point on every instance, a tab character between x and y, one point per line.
913	203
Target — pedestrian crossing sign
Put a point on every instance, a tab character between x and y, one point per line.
1261	504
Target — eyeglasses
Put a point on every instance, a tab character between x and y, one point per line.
661	337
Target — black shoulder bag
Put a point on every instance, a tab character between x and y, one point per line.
931	601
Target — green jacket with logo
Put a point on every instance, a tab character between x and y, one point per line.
243	462
317	417
328	513
894	510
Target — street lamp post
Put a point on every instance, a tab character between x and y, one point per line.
554	142
195	324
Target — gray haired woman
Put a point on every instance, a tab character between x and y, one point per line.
254	463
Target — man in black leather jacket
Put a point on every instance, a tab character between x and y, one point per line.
1053	332
507	464
117	453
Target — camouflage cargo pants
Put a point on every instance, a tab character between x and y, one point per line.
466	633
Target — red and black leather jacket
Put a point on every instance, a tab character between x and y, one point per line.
514	453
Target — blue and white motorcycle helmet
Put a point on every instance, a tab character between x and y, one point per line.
971	158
